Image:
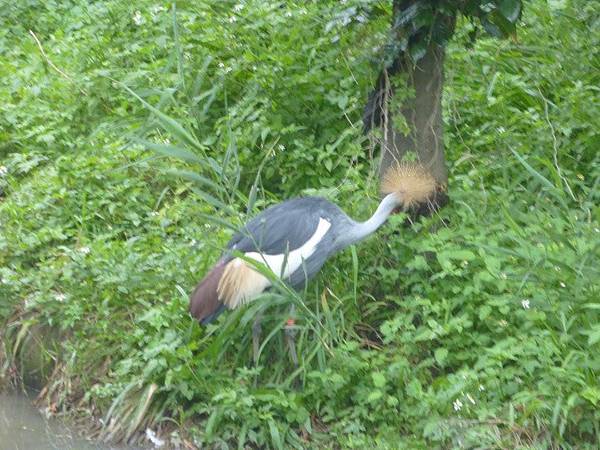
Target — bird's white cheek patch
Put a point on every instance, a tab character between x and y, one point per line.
240	283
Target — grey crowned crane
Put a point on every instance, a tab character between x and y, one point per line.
294	239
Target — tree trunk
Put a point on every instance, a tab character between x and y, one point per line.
423	115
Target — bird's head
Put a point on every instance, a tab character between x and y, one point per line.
411	183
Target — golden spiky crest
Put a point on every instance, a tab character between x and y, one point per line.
412	182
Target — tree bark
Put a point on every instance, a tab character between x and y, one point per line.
423	115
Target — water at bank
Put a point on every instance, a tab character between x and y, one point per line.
22	427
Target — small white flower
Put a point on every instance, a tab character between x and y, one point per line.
238	7
29	302
525	303
137	18
501	130
60	297
156	9
3	171
563	285
457	405
503	276
193	242
481	387
232	19
288	14
221	65
84	250
152	437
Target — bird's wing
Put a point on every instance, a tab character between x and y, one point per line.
281	228
282	237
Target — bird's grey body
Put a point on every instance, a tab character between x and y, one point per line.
287	226
294	238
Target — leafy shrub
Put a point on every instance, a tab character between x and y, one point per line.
475	328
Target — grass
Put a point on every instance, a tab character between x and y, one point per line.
474	328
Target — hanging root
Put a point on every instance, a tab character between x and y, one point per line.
411	182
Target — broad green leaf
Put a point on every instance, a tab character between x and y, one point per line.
417	50
440	355
510	9
593	336
592	394
275	435
492	28
378	379
374	395
507	27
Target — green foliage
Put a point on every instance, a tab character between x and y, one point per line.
434	21
121	182
418	23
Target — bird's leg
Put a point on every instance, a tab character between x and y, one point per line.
290	335
256	331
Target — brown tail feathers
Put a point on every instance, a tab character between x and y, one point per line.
204	303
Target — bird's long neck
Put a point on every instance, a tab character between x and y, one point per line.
363	229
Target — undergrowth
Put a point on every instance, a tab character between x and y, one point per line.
128	161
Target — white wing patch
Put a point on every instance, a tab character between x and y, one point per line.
240	283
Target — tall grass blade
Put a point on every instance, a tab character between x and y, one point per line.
199	81
178	51
196	178
141	409
551	187
354	274
218	221
172	151
213	201
167	122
